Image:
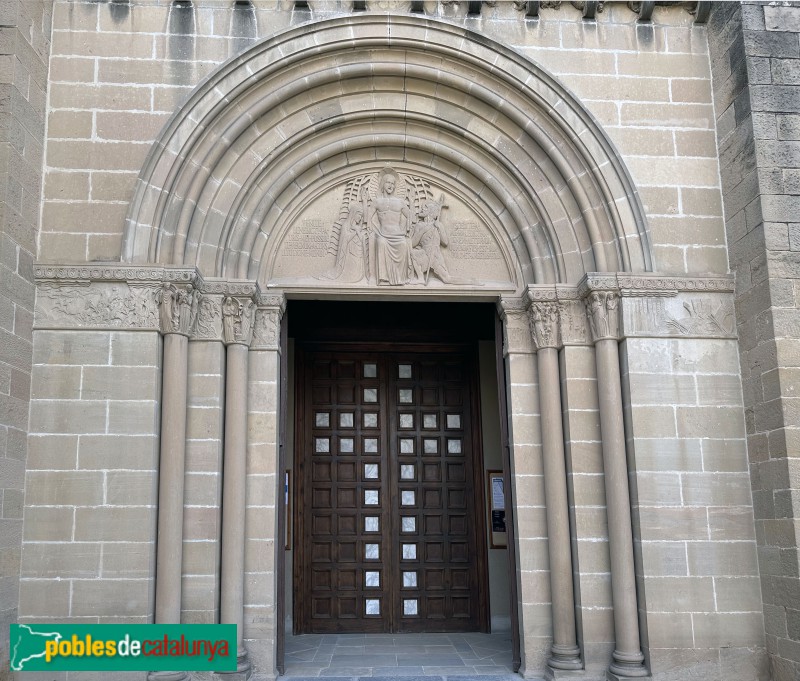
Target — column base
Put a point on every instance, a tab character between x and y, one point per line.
626	666
614	676
243	668
168	676
551	674
564	658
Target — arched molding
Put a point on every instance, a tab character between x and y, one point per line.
257	137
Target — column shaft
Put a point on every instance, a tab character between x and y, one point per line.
169	547
234	478
628	658
565	651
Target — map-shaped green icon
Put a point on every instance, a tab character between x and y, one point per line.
27	643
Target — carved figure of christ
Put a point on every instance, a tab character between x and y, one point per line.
389	217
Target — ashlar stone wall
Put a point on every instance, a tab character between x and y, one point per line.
755	56
24	50
119	70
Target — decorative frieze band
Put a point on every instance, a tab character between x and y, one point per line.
179	300
165	299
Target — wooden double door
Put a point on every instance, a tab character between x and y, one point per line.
389	510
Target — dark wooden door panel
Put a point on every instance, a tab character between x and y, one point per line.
389	493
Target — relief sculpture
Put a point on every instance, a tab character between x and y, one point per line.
390	231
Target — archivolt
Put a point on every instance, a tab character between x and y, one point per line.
256	139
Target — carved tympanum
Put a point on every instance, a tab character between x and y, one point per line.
390	231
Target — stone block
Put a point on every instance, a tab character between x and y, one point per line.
525	429
117	597
116	186
71	70
134	560
650	390
61	561
663	65
733	558
725	630
782	18
48	524
653	421
693	90
56	382
103	247
94	44
66	186
658	489
672	524
115	523
52	452
716	489
660	200
134	127
64	416
788	126
701	201
679	594
133	418
201	523
64	488
136	348
588	490
138	452
724	455
55	247
779	98
124	488
202	489
71	347
661	454
737	594
44	598
670	630
200	557
120	383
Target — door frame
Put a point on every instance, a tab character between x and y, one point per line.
302	348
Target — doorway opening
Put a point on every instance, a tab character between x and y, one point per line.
393	423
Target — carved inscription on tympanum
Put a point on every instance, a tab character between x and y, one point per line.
389	229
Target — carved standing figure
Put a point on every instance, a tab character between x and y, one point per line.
166	299
351	256
390	220
230	317
187	304
427	240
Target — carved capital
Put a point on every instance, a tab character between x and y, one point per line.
603	310
208	325
516	326
177	308
267	331
545	327
237	320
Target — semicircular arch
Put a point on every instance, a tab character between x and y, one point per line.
256	139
